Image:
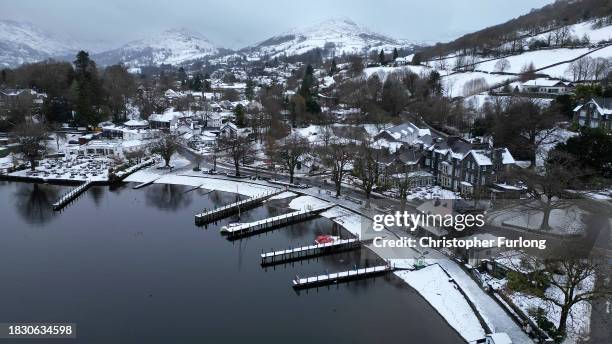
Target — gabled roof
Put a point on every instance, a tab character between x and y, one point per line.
603	104
229	125
481	157
544	82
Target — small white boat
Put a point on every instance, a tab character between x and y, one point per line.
228	227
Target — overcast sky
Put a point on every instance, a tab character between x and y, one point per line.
235	24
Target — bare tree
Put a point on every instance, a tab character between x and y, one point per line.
366	168
524	127
548	189
236	148
356	65
166	147
290	151
197	159
135	156
32	138
600	68
580	69
337	156
59	136
502	65
570	274
403	186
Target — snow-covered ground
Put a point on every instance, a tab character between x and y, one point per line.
558	136
578	324
437	288
243	188
470	83
562	221
431	192
70	168
283	195
340	35
561	71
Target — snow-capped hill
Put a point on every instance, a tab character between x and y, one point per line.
24	43
174	46
335	36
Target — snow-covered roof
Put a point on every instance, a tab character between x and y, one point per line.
481	158
507	158
169	116
544	82
136	123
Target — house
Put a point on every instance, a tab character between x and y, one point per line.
229	129
596	113
136	124
169	120
215	119
19	98
470	168
547	86
405	133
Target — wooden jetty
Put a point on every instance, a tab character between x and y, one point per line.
71	195
146	163
142	185
246	229
230	209
338	277
305	252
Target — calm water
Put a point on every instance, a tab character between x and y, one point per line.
130	266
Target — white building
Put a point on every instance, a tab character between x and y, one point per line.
541	85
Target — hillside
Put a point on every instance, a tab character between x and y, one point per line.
24	43
538	21
174	46
333	36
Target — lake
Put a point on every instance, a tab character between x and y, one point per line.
130	266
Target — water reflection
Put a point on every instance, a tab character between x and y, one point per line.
167	197
116	188
97	194
34	202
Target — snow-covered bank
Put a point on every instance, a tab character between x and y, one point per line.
442	294
243	188
345	218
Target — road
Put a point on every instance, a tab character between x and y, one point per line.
601	313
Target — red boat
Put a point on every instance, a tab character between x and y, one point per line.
325	239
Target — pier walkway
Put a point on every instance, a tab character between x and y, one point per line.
71	195
304	252
335	277
230	209
251	228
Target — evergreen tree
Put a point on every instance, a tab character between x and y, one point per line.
381	58
249	91
207	85
196	83
307	83
182	76
86	90
307	91
334	68
240	115
395	54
